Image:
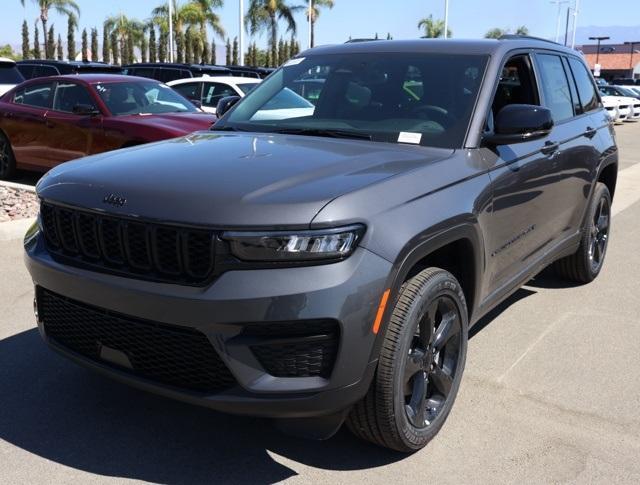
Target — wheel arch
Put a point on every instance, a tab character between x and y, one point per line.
608	175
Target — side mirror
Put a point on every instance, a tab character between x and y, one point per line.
225	104
85	110
516	123
196	102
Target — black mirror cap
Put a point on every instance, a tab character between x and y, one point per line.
517	123
225	104
85	110
196	102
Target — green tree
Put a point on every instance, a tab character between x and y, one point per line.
389	37
60	52
214	55
206	53
180	47
281	54
162	45
72	25
115	49
263	15
433	28
85	45
235	52
26	50
62	7
153	45
228	52
50	48
292	47
316	6
522	30
94	44
188	46
130	56
106	52
36	44
267	58
128	33
495	33
285	52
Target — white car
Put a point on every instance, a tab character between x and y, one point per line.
208	90
634	107
9	75
611	103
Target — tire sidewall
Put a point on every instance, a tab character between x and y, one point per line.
442	285
600	191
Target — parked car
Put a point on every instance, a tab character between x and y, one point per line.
247	71
620	91
628	106
47	121
166	72
9	75
34	68
611	103
328	267
208	91
626	80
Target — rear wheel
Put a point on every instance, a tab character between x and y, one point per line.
585	264
7	160
420	365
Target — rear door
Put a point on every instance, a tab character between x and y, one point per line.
25	123
71	135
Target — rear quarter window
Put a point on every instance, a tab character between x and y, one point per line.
585	85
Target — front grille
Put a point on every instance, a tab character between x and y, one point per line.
152	251
295	349
167	354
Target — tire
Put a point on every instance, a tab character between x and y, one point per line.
7	160
429	304
585	264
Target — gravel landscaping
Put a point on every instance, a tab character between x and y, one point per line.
17	204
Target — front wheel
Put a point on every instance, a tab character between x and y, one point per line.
420	365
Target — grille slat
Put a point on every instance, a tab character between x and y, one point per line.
171	355
143	250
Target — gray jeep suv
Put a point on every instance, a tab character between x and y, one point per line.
321	259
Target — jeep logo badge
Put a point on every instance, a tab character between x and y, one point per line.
113	199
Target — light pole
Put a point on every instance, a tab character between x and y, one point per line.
310	21
575	24
170	30
446	19
241	34
599	39
632	44
559	3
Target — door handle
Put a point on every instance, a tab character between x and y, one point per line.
590	132
550	147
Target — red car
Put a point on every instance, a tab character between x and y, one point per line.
47	121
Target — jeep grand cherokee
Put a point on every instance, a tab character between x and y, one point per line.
322	262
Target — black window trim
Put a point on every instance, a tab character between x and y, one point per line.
593	84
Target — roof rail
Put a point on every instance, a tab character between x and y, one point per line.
355	41
529	37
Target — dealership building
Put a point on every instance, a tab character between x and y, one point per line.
616	60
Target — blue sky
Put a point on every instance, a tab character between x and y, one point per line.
361	18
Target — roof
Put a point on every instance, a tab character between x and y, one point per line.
444	46
177	65
92	78
221	79
55	62
616	61
6	60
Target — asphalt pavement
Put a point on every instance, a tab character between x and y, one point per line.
551	394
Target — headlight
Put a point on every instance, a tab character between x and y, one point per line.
294	246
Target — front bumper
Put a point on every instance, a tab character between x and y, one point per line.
347	292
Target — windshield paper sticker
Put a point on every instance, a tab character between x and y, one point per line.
408	137
293	62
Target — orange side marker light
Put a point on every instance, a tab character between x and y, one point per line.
381	307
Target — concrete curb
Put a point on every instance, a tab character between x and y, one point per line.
12	230
15	185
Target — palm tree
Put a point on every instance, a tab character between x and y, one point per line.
127	32
495	33
264	15
62	7
433	28
522	30
314	11
184	16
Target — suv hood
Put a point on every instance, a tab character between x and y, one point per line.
231	179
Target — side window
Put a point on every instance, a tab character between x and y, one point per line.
577	107
69	95
36	95
516	86
214	92
26	70
555	87
190	91
44	71
586	88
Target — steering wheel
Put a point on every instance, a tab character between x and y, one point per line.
434	113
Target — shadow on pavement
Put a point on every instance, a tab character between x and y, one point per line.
27	178
66	414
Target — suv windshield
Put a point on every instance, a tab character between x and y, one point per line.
9	74
142	97
409	97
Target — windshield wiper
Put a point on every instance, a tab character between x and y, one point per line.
324	132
